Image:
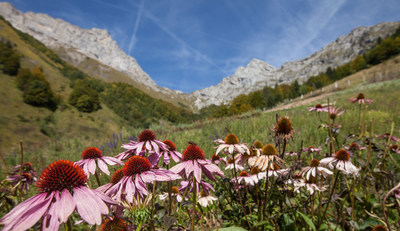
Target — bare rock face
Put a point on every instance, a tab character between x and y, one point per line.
98	44
258	74
80	43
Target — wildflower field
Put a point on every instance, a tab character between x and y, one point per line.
332	165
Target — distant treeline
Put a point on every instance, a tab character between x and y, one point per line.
270	96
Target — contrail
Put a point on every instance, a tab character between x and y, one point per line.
137	22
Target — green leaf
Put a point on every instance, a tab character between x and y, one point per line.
307	220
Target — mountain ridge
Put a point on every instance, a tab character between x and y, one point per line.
257	74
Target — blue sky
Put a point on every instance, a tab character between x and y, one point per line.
192	44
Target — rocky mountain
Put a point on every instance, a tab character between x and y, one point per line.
258	74
76	45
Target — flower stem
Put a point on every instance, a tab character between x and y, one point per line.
329	200
96	174
240	197
383	205
369	144
22	156
387	148
194	202
4	164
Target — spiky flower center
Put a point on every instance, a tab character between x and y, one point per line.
175	190
318	106
27	166
214	157
258	144
273	167
146	135
379	228
354	146
314	163
61	174
136	165
170	144
342	154
193	152
117	176
231	139
243	173
230	160
114	224
91	153
284	126
360	96
269	150
27	176
254	170
203	194
394	147
333	116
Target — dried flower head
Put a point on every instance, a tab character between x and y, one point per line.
284	128
379	228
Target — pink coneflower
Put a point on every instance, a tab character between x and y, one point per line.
216	159
194	161
90	156
397	193
318	108
27	167
231	144
114	224
275	171
395	148
386	137
174	193
167	154
360	99
55	202
248	179
147	142
334	112
341	161
206	199
312	149
267	158
291	153
231	165
188	185
310	185
353	147
115	178
21	181
314	170
137	173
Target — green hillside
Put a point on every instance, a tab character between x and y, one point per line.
83	107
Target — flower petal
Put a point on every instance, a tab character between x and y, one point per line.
92	166
64	206
102	166
87	207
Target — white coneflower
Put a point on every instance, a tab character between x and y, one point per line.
267	158
341	161
315	170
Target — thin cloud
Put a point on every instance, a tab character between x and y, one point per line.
137	22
